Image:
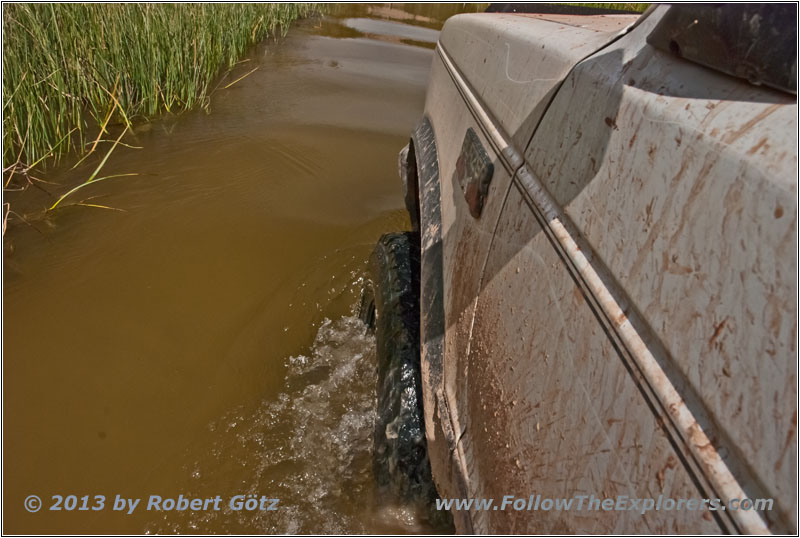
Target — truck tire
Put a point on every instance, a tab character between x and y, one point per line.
391	306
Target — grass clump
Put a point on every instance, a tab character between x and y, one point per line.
70	70
621	6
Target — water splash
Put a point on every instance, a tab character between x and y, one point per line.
311	447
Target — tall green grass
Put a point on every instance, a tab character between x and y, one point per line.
623	6
71	70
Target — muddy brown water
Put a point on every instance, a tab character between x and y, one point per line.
201	342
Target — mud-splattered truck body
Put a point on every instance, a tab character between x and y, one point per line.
608	215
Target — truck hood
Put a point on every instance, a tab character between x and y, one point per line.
514	63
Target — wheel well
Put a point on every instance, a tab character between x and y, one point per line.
412	187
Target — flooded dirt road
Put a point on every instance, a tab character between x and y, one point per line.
200	342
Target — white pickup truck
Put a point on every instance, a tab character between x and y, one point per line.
605	221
